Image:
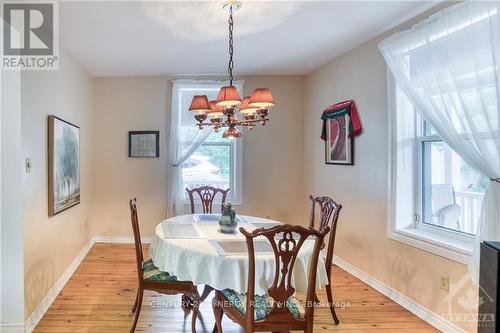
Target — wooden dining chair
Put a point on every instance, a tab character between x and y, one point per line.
151	278
329	214
279	310
207	195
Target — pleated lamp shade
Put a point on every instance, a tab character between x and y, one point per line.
262	98
245	108
216	110
228	97
200	104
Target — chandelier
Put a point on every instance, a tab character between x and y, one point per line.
222	113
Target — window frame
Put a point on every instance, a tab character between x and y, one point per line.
235	196
235	182
444	242
459	236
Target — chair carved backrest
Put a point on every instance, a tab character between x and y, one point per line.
137	237
286	241
329	214
207	195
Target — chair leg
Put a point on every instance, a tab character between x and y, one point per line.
218	313
196	308
186	302
138	310
136	300
331	305
206	291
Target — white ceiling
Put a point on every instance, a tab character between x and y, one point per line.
118	38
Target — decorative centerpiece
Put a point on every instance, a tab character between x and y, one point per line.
227	220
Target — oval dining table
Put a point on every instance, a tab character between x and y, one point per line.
192	248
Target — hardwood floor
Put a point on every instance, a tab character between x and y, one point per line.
100	295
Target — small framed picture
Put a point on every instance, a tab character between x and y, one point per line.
338	145
144	144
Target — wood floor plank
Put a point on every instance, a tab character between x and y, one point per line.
101	292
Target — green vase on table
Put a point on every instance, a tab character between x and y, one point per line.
227	220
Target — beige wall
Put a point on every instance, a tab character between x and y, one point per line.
362	189
50	244
120	105
272	156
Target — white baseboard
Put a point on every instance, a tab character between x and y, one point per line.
417	309
120	239
12	327
35	317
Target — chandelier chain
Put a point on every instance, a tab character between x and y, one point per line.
231	51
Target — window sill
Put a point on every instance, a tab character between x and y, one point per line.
459	251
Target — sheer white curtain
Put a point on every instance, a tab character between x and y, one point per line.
448	67
179	153
182	143
185	137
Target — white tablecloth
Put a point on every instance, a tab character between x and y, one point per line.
198	259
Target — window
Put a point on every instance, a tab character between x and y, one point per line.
436	196
447	65
211	164
217	161
451	192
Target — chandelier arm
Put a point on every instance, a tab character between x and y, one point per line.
234	123
231	48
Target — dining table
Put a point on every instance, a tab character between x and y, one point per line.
192	248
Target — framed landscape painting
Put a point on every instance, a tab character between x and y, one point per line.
338	145
63	165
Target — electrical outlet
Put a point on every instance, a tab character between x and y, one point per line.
444	282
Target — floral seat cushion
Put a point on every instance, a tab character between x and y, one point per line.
151	273
262	304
